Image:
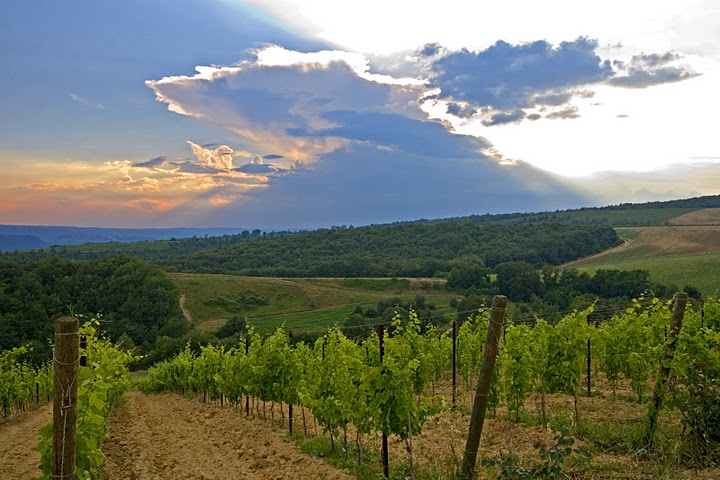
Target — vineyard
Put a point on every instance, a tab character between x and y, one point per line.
350	392
399	381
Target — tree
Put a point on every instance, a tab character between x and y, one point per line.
519	281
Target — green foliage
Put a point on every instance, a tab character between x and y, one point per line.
136	299
245	300
518	280
699	270
632	343
399	250
519	367
234	326
341	382
565	360
471	339
21	384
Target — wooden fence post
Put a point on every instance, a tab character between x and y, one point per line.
65	365
497	314
665	364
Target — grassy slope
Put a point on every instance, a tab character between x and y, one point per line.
680	255
302	304
699	270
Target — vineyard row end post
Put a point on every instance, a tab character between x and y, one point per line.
490	353
66	358
665	363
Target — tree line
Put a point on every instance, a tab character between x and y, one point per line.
137	301
407	250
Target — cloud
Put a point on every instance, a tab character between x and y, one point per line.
646	70
258	166
86	102
507	83
430	49
362	184
500	118
511	77
220	158
398	132
280	90
568	113
462	110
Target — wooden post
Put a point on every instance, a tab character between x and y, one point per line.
665	364
384	454
482	391
65	366
454	362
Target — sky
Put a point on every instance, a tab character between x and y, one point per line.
305	114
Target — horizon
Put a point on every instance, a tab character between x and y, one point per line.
288	115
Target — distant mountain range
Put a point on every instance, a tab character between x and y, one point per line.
24	237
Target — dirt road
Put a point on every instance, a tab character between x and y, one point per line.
167	437
18	441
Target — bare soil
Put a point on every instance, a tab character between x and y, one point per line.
168	437
18	441
159	437
185	311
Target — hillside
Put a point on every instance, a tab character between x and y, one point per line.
10	243
625	214
302	304
407	250
679	254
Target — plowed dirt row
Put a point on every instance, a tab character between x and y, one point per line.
167	437
18	441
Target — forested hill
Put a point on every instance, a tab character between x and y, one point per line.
409	250
621	215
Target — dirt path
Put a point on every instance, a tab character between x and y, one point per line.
18	441
185	311
167	437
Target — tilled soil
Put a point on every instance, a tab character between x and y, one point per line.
18	441
167	437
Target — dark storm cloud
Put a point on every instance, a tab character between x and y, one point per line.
501	118
462	111
506	80
508	77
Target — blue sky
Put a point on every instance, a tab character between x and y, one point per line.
289	114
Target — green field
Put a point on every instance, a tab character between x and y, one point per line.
302	304
699	270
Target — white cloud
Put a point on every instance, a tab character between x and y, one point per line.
220	158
